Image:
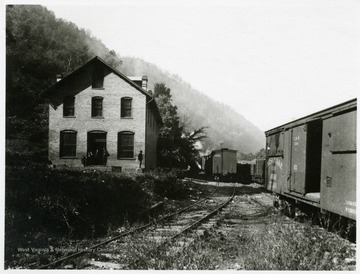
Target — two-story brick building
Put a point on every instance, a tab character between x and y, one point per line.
96	108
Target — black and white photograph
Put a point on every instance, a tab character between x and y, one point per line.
180	135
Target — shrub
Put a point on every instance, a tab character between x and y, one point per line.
291	247
42	204
168	185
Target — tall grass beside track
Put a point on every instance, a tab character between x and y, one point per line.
51	207
294	247
277	247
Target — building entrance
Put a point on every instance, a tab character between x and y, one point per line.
96	148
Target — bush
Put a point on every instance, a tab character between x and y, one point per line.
168	185
70	202
292	247
43	204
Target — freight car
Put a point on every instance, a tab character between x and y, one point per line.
221	164
243	172
258	171
311	162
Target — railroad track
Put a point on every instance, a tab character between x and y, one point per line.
174	232
137	229
172	235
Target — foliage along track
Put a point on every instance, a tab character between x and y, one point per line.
214	215
134	230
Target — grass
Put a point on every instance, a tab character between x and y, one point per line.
294	247
277	247
47	206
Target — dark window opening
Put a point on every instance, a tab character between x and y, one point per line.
126	144
126	107
97	107
68	143
69	106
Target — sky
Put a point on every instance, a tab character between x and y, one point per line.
272	61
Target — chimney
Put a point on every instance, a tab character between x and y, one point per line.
144	81
58	77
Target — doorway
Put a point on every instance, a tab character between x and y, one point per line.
313	156
96	144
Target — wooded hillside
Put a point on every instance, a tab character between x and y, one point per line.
39	46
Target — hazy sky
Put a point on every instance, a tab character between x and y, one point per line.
272	61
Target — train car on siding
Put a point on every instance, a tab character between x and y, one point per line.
312	160
221	163
258	171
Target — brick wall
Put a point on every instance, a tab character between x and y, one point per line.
111	123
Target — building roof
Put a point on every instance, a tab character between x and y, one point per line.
77	71
135	78
224	149
345	106
73	76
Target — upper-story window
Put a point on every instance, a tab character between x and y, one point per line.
98	77
126	105
97	107
68	143
69	106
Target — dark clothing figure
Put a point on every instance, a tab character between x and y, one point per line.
140	158
97	158
84	160
105	155
89	158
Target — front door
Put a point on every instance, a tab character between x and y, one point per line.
96	144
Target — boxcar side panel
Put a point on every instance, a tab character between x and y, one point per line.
229	165
275	175
224	161
216	161
298	157
338	172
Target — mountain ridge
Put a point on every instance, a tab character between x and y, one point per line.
232	129
39	46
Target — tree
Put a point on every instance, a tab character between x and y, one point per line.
38	47
113	60
177	145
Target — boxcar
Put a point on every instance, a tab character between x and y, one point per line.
243	173
221	162
312	160
258	171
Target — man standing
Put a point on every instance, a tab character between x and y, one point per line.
140	158
105	155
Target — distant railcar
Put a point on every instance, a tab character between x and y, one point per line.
258	171
312	161
221	163
243	173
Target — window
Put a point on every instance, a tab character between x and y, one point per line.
97	107
98	77
68	143
126	107
69	106
125	144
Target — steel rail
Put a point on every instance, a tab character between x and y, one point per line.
197	222
208	216
126	233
